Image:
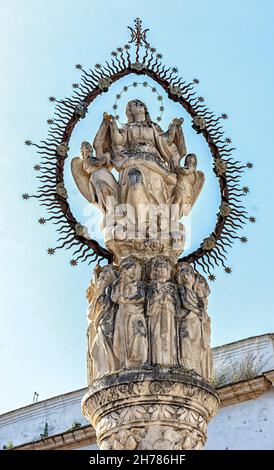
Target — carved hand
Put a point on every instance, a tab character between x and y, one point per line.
107	117
177	122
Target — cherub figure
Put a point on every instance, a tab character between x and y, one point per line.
190	183
94	179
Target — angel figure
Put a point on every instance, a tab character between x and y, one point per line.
101	314
94	179
190	183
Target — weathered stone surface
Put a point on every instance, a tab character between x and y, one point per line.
150	409
147	313
143	207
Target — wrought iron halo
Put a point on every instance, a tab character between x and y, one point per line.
68	111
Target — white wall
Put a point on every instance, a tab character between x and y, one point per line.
246	426
261	347
26	424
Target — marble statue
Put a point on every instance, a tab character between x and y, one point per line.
149	356
202	290
94	179
143	315
151	180
189	185
194	323
101	315
130	332
162	303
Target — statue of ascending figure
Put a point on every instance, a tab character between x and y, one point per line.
151	179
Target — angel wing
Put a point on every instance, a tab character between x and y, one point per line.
188	190
197	186
82	179
90	292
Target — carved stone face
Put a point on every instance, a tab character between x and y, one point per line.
201	286
86	150
185	275
155	245
139	245
106	278
122	436
161	271
131	271
191	161
136	111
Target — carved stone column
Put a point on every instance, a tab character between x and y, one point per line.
150	409
149	356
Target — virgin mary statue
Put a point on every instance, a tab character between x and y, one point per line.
148	162
143	155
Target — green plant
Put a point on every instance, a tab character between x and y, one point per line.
220	375
45	433
9	446
236	370
75	425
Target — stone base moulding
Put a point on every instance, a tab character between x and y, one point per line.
150	409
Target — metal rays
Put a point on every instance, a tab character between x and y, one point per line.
53	151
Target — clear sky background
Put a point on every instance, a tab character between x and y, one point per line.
228	45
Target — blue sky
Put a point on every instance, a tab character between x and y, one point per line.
228	45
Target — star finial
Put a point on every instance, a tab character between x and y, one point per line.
138	35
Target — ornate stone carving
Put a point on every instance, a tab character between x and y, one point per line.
153	190
94	179
149	357
162	303
194	323
153	313
130	343
101	315
129	413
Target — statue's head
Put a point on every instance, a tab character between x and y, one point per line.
105	277
191	161
185	274
131	269
160	269
86	150
136	110
201	286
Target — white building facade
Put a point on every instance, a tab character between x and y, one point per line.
245	382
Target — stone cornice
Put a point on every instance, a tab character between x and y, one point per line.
81	437
229	395
245	390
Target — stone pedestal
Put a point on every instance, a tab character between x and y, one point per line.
150	409
149	359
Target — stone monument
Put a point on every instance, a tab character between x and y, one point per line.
149	359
